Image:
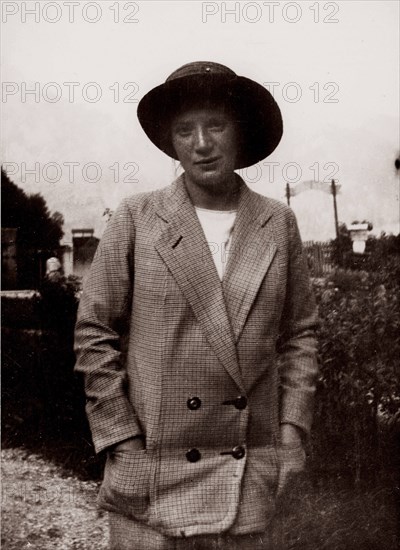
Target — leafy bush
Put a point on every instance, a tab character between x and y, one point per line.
59	301
383	259
358	399
381	255
43	400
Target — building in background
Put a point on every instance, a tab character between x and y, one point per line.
84	245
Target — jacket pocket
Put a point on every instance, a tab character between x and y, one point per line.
126	484
258	492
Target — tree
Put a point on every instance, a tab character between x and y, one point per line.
38	232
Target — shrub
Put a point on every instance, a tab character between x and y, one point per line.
59	302
43	400
359	393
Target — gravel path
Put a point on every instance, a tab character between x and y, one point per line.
44	509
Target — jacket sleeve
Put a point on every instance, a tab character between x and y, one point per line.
103	315
297	345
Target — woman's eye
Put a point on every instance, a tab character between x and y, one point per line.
183	131
215	125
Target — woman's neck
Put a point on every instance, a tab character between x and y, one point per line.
215	195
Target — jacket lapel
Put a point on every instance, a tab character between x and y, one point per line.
250	255
183	248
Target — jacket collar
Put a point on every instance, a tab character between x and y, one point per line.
221	309
249	257
174	201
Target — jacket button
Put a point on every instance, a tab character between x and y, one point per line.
193	455
194	403
240	402
238	452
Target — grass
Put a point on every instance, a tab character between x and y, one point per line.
335	515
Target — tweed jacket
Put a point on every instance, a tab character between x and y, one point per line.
205	369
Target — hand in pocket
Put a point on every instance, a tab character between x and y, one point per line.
292	459
132	444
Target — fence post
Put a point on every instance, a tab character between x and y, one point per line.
288	193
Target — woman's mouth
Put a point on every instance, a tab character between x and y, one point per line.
207	162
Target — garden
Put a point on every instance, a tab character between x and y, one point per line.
349	496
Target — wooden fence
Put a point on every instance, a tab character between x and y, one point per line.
319	256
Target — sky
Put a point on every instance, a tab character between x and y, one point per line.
73	73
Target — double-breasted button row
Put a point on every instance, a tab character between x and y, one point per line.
238	452
239	403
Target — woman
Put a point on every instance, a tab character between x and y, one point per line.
203	414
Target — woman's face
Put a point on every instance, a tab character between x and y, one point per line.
206	144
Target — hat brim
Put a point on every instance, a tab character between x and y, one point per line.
257	113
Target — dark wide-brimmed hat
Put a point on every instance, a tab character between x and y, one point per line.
257	113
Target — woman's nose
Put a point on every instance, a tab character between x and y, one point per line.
203	141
